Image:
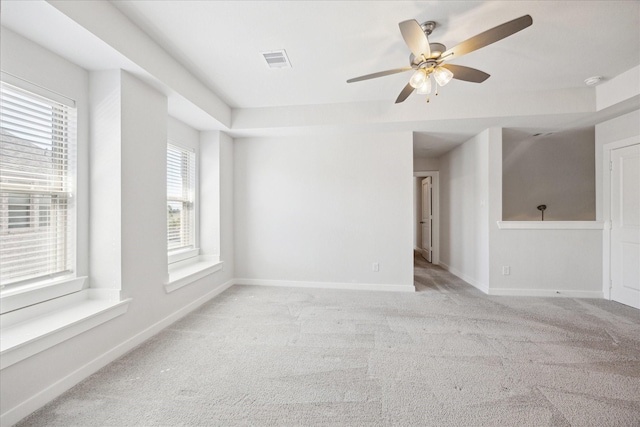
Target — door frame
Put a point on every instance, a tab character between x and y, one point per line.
606	209
435	194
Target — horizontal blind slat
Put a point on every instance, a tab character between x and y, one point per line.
37	141
180	198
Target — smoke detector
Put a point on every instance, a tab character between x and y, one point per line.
593	80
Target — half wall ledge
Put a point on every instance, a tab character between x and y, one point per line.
551	225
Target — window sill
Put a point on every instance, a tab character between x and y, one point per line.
188	271
24	296
31	330
183	255
551	225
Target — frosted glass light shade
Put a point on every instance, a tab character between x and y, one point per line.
442	75
418	78
425	89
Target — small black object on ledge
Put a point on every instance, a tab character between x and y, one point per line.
541	208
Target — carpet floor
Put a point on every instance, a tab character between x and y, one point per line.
446	355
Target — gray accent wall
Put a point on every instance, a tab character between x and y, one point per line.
557	170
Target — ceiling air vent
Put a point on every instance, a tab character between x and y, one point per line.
276	59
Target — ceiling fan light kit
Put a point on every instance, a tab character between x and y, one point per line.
428	58
418	78
425	88
442	75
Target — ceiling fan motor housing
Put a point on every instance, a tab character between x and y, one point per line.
436	51
428	27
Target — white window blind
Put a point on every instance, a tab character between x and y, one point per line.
180	198
37	147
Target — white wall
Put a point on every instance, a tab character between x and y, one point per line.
227	216
425	164
137	187
216	163
182	134
464	212
316	210
556	170
547	262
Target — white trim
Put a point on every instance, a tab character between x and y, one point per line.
561	293
328	285
550	225
23	296
606	209
182	254
188	271
79	313
435	188
470	280
523	292
37	89
45	396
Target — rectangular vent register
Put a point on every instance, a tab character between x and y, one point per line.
276	59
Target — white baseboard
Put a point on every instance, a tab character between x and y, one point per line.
328	285
546	293
470	280
523	292
40	399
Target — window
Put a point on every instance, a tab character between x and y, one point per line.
37	146
181	222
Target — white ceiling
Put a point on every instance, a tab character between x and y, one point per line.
329	42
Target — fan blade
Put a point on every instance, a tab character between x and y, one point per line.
467	74
415	38
379	74
488	37
408	89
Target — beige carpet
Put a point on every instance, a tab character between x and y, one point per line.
445	356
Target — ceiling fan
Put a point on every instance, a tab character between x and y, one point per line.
429	59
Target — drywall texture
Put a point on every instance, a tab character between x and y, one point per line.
556	170
315	209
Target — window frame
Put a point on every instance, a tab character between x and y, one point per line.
30	291
193	250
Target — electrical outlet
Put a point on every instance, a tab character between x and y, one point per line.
506	270
375	266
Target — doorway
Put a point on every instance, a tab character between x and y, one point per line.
426	218
426	215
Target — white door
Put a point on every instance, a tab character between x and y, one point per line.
427	218
625	225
